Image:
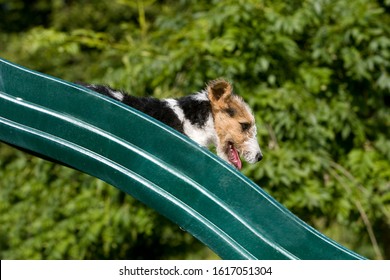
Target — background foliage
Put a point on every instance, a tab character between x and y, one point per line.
315	72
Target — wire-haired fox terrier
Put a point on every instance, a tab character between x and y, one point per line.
213	116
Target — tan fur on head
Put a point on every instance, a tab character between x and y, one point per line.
234	123
218	90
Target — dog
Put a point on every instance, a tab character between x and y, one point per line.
214	116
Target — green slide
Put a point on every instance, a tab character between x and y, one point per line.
165	170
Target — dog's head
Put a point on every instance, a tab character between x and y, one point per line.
234	124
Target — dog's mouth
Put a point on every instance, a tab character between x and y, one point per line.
233	156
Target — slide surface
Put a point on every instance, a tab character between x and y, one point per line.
165	170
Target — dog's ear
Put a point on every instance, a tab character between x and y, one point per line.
219	90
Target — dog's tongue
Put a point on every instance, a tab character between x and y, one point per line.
234	158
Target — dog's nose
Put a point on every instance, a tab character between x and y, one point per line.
259	156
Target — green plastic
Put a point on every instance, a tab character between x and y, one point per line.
156	165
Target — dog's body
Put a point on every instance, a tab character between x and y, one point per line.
213	116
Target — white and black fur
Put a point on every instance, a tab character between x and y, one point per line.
190	115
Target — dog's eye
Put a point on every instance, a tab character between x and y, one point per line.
245	126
